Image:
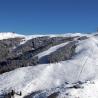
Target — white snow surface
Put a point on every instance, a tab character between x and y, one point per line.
7	35
88	90
83	66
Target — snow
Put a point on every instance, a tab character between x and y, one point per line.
6	35
83	66
89	90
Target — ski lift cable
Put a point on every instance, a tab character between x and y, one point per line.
84	64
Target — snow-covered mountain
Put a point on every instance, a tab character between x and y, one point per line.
48	66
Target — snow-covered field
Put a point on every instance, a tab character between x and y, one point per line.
82	67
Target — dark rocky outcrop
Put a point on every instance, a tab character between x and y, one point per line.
61	54
96	34
83	38
7	45
12	64
41	94
40	44
15	55
54	95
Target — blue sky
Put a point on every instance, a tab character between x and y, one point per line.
48	16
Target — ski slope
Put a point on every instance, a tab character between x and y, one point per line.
83	66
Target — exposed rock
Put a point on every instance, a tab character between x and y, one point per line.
31	44
11	41
54	95
41	95
12	64
25	54
63	53
40	44
6	45
96	34
82	38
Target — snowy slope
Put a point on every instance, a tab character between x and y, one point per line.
88	90
6	35
83	66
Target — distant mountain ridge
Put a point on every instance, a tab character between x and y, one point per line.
15	55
